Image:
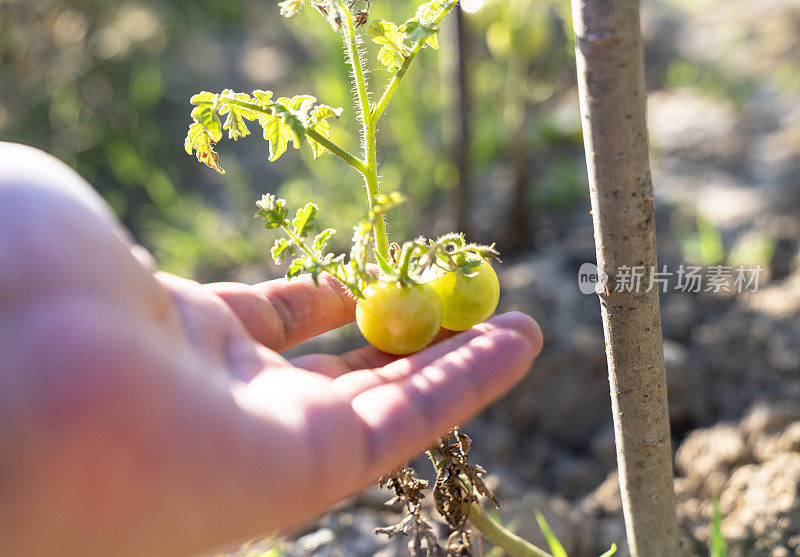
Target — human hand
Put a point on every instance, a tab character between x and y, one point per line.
144	414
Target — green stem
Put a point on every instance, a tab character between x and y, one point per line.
499	536
340	152
337	150
368	124
405	260
395	82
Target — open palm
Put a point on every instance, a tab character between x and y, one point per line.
152	415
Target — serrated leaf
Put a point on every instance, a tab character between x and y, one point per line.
281	250
321	240
384	32
237	114
429	12
323	111
230	95
275	132
262	98
324	129
296	267
198	141
390	58
235	125
317	121
414	31
297	102
304	220
294	128
387	34
205	114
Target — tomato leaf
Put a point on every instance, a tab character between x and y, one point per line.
321	240
282	249
198	141
304	222
413	31
205	114
277	134
237	114
272	210
393	52
317	120
296	267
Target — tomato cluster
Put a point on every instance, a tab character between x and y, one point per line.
400	319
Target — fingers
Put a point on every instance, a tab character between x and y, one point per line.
365	359
413	401
281	314
333	366
351	384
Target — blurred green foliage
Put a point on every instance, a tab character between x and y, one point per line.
700	240
104	86
710	78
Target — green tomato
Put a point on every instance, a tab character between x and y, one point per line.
399	319
467	301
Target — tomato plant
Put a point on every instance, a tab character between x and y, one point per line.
420	284
467	297
301	119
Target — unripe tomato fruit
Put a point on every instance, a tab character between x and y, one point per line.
467	301
399	319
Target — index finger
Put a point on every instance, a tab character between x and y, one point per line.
281	314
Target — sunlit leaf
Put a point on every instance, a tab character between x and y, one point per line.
321	240
393	51
429	12
205	114
296	267
237	114
277	134
303	222
281	250
413	31
298	101
262	98
198	141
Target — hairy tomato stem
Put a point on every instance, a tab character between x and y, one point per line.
368	128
